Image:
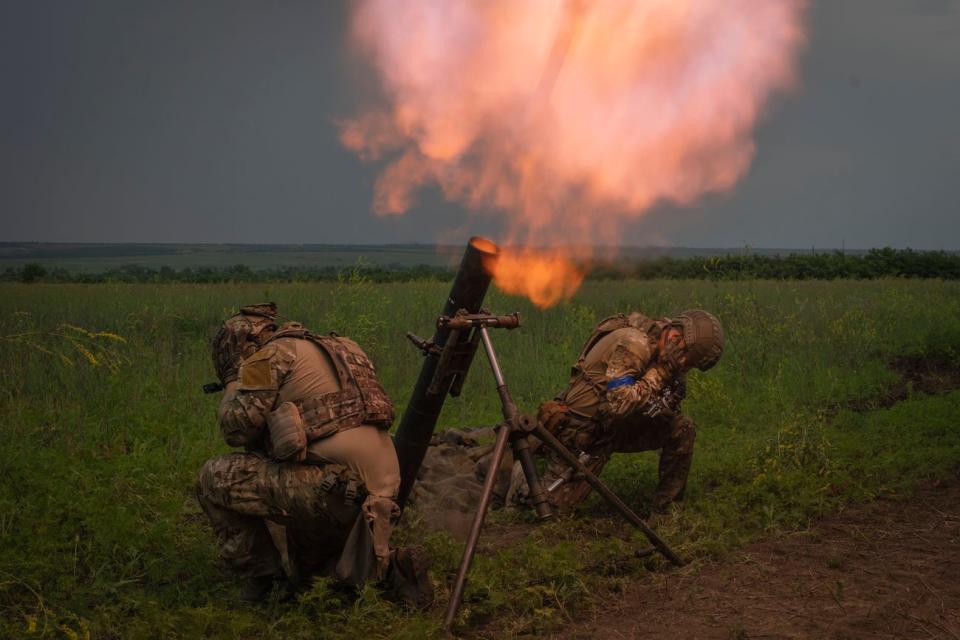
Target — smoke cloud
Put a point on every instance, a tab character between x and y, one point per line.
567	118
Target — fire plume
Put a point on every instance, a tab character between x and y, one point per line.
567	118
543	276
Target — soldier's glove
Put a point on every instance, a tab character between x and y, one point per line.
678	391
671	358
228	367
550	414
228	354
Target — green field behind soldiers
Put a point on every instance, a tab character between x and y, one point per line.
104	428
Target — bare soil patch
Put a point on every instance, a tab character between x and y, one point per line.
887	569
924	374
929	374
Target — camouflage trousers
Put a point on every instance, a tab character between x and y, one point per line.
314	519
673	435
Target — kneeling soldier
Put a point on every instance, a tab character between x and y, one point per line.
624	395
314	492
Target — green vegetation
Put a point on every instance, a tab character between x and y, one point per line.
831	265
408	263
104	428
77	259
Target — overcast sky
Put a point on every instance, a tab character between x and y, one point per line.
203	121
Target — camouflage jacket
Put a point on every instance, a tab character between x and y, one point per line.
619	377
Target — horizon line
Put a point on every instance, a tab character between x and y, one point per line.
444	245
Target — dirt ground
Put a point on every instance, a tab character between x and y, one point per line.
925	374
888	569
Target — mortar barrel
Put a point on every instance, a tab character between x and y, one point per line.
420	417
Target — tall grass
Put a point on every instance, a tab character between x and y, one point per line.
100	534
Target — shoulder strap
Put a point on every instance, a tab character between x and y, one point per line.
290	330
606	326
328	345
648	325
338	353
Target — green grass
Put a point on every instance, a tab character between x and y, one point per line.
100	534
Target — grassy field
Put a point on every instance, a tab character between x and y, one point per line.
104	427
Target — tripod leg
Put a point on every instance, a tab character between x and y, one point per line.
521	449
538	497
503	434
551	441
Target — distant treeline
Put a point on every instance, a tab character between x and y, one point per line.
876	263
36	272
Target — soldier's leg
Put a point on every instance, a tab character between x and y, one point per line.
320	507
241	490
676	457
225	487
674	437
574	490
585	440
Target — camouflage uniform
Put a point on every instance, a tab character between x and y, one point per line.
621	398
329	508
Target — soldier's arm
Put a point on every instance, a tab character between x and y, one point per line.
243	415
243	411
633	380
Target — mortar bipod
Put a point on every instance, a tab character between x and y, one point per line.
515	429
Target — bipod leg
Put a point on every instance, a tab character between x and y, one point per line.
551	441
521	452
503	434
520	426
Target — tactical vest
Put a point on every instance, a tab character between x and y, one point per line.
360	400
607	326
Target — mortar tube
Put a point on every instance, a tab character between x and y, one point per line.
420	417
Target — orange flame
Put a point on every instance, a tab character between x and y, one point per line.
544	277
568	118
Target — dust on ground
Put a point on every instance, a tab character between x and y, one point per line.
887	569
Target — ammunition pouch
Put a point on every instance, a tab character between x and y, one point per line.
381	514
288	438
330	413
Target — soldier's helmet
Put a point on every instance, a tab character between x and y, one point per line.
240	336
703	336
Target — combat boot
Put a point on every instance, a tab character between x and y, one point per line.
256	589
408	578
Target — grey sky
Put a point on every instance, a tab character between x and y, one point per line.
203	121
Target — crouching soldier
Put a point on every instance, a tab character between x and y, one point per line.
314	491
624	395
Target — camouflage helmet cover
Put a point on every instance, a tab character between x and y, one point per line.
702	335
240	336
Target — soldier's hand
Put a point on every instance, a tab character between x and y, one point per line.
672	358
228	354
229	367
229	375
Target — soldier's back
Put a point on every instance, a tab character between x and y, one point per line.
627	348
365	449
310	374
